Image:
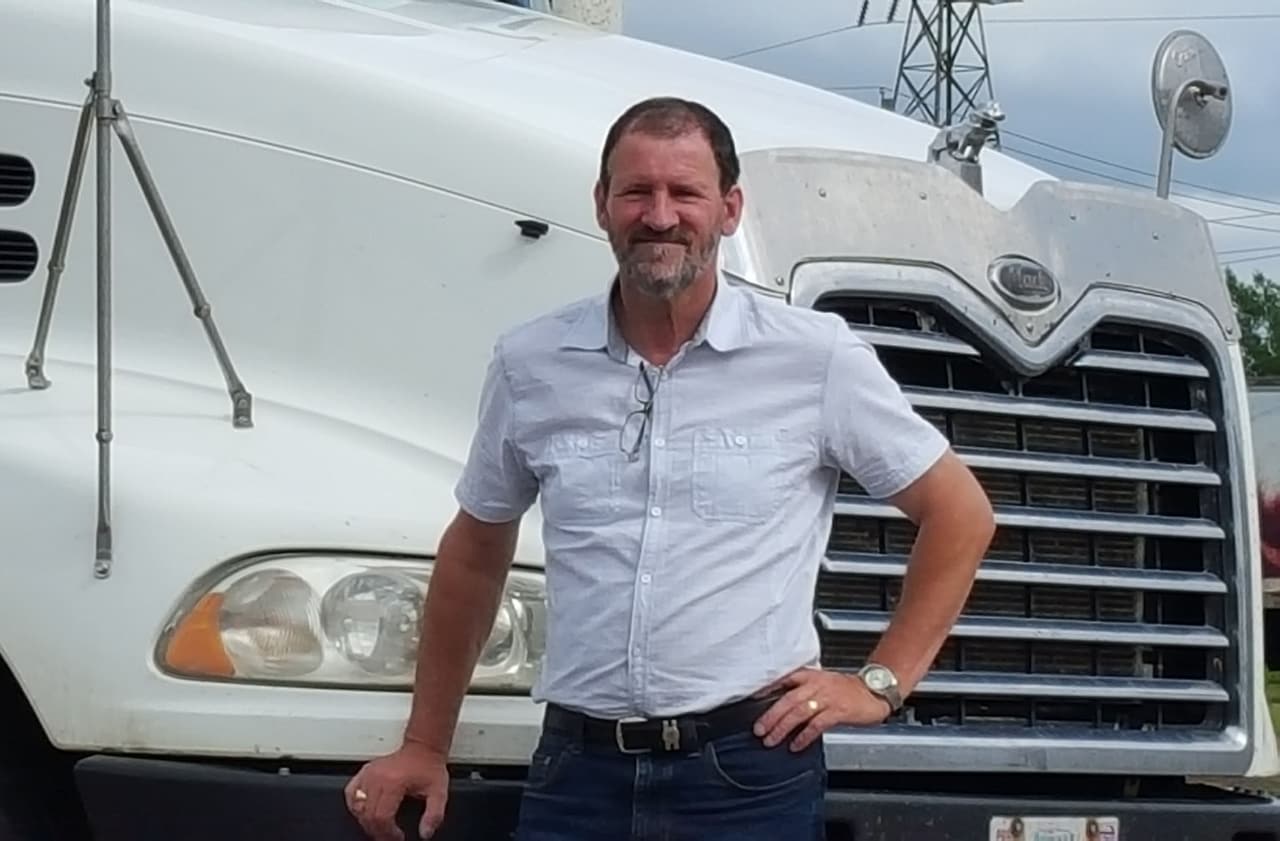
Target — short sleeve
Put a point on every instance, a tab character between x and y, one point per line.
496	484
869	428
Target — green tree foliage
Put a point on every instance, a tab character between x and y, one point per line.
1257	305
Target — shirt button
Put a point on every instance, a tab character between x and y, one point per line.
655	511
741	440
646	578
659	442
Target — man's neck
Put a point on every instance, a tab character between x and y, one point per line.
657	328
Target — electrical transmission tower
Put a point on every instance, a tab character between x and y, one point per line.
944	72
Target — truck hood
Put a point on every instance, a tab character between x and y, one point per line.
423	89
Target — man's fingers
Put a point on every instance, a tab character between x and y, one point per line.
380	813
795	717
437	797
819	724
359	793
777	711
349	792
788	714
384	784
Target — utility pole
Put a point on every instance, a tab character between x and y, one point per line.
944	72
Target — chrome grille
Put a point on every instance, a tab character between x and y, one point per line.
1101	602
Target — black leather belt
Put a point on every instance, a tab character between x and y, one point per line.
684	733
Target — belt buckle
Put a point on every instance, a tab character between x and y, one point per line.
671	739
622	742
670	734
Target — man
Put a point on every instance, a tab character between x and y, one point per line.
685	438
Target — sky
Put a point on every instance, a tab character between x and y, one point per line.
1082	86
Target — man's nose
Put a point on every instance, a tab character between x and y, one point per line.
660	215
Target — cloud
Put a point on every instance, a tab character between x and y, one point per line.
1083	87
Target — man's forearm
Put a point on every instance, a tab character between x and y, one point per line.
949	547
458	615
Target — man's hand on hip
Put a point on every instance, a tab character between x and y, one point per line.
375	793
819	700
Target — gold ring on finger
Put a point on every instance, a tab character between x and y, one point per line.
813	705
361	794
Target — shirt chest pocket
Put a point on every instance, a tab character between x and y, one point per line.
739	474
582	484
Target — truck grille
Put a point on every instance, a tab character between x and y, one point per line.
1101	603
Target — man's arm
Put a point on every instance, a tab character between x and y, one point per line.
458	615
955	527
475	552
871	431
874	434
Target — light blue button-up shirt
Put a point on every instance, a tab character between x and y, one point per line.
681	576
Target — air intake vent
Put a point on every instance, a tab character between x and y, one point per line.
19	255
17	180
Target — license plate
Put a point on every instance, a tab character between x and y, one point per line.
1054	829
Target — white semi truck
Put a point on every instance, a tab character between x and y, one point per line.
216	531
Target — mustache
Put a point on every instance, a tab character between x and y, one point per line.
650	236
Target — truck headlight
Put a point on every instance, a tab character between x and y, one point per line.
339	620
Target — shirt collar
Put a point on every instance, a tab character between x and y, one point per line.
723	328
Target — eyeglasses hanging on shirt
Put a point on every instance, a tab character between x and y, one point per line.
637	420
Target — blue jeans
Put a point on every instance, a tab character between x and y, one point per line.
734	788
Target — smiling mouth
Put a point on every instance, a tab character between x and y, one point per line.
657	253
660	242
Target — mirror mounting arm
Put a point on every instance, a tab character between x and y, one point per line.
1201	90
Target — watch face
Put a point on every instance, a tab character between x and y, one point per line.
878	679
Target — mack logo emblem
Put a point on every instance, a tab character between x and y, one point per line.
1024	283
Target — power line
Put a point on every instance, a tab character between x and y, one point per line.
1143	186
1147	174
1143	18
856	87
1258	215
803	38
1085	170
1272	256
1253	212
1001	21
1250	250
1246	227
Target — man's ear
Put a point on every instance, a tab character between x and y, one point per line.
733	203
601	194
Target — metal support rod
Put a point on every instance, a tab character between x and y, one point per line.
107	116
241	400
1200	88
1165	172
102	107
58	257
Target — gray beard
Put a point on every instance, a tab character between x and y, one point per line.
664	286
661	284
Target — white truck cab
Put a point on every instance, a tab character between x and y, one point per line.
368	192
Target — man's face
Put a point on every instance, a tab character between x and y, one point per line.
664	212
